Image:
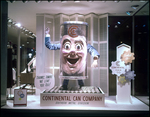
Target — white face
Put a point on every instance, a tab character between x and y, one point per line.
73	54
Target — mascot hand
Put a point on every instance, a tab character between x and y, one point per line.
94	64
47	31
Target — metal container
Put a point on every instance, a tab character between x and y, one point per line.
73	51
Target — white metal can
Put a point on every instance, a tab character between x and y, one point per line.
73	51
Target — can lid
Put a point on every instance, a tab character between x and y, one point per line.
75	22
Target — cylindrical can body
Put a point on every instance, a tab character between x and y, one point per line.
73	51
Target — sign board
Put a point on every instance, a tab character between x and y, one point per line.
79	98
123	92
20	97
118	67
44	81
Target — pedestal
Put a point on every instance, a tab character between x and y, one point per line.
123	91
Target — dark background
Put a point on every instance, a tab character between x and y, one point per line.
121	30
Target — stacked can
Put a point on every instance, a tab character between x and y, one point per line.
73	51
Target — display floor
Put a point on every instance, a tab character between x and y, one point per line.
33	103
144	99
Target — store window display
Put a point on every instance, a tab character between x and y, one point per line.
73	51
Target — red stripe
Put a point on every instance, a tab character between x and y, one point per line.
19	104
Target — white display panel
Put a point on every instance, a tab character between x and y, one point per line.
123	91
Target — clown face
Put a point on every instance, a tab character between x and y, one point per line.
73	55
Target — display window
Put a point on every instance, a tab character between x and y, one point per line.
78	58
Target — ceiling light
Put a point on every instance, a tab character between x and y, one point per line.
26	30
33	35
129	12
24	1
18	24
30	55
116	1
135	6
80	15
9	20
23	28
27	42
13	22
116	26
118	23
76	1
103	0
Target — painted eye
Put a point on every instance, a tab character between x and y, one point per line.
67	46
78	46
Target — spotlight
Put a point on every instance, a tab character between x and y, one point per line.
80	15
23	28
30	33
18	24
26	30
135	6
30	55
24	1
103	0
13	22
116	26
76	1
129	12
118	23
116	1
127	26
34	35
9	20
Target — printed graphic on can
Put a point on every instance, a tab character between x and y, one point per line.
73	51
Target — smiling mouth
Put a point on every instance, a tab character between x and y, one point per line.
72	61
